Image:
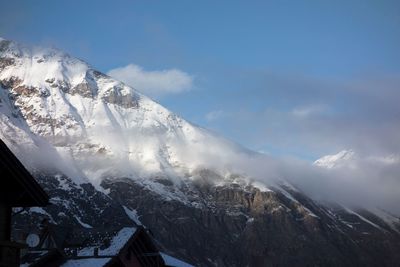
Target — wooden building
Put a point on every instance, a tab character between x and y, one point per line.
17	189
129	247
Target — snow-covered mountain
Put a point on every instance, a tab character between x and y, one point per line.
95	124
109	156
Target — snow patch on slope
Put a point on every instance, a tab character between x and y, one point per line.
82	223
390	219
363	218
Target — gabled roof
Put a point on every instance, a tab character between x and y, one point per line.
173	262
117	243
17	186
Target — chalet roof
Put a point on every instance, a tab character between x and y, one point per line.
118	241
17	186
173	262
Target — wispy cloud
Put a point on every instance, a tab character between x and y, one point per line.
216	115
309	116
154	83
309	110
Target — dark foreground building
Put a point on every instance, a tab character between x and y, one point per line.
129	247
17	189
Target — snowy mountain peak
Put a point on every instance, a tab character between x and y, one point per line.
97	125
49	70
336	160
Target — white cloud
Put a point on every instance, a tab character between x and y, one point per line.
216	115
357	179
153	83
306	111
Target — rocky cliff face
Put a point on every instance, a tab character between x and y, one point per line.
243	226
110	157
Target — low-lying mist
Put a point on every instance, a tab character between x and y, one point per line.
365	182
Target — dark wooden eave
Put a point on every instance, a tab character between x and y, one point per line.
17	186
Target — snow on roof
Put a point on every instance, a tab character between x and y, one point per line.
132	214
171	261
118	241
86	262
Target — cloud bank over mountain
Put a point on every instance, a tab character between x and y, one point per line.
154	83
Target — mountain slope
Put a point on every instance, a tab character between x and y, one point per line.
109	156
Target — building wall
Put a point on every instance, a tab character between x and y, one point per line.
5	222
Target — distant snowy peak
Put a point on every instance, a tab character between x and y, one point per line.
351	159
336	160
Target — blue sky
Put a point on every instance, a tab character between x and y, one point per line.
290	78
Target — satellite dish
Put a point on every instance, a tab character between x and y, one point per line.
32	240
